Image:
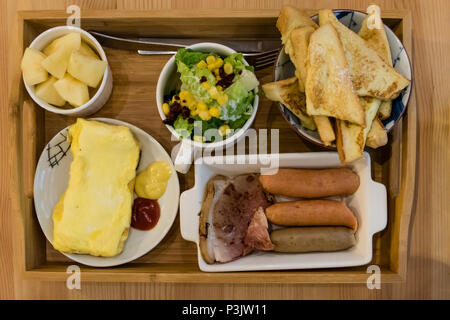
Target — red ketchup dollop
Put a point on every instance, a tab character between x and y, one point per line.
145	214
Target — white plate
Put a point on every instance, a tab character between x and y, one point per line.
369	204
52	178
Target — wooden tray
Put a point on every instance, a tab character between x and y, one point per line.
133	101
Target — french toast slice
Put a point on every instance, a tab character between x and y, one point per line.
329	88
377	136
377	40
351	138
371	75
289	19
300	41
286	91
295	27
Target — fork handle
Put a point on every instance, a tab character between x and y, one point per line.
147	52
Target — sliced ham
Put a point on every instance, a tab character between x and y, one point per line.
236	223
257	233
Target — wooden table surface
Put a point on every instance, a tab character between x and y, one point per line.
428	258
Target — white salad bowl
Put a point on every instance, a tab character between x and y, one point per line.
168	79
104	90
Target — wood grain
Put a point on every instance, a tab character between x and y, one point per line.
428	259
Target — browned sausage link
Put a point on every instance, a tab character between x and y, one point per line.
312	213
306	183
312	239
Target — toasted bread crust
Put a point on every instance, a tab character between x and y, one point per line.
325	129
286	91
291	18
377	136
351	137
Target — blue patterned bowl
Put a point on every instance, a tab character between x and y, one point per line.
352	19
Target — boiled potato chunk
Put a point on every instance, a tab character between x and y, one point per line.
71	39
86	69
32	70
56	63
86	50
72	90
47	92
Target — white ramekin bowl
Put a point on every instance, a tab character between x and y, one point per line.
168	80
104	91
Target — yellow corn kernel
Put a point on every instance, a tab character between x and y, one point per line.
192	104
224	130
189	99
201	106
173	99
219	88
228	68
211	59
217	72
206	85
199	139
166	108
222	99
211	67
213	92
214	112
204	115
218	63
194	112
185	95
202	64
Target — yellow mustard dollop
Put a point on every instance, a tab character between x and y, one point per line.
152	182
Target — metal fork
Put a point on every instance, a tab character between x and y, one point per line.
262	60
259	60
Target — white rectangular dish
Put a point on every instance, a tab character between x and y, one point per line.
369	204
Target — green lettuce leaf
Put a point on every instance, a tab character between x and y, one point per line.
240	102
189	57
236	60
183	127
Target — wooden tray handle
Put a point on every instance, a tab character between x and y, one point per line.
28	146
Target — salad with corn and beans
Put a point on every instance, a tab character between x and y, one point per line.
215	97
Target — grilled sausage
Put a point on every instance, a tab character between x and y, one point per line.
312	239
311	213
310	183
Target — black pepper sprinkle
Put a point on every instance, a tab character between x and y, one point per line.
177	98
